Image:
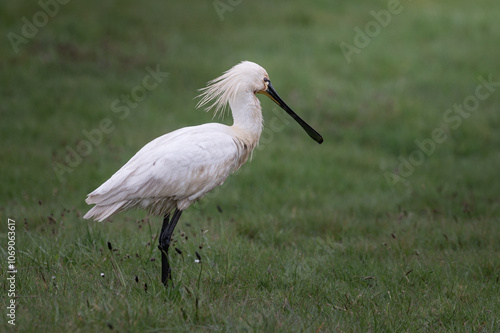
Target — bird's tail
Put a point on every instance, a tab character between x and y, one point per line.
100	213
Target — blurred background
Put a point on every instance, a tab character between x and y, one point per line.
372	77
405	93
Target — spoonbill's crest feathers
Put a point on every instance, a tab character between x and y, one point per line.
246	75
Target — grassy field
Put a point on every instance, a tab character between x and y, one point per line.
391	225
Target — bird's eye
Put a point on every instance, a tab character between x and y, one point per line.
267	80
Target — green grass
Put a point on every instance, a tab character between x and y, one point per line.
306	237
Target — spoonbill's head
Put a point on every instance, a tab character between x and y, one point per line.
247	77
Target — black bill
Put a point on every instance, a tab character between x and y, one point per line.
271	93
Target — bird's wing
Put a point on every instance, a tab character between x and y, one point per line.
182	165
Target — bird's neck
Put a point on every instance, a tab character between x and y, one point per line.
247	116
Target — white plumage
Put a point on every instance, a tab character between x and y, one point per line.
178	168
171	171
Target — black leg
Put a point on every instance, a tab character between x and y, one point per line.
167	230
165	267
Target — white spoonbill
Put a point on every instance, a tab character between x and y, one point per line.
176	169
